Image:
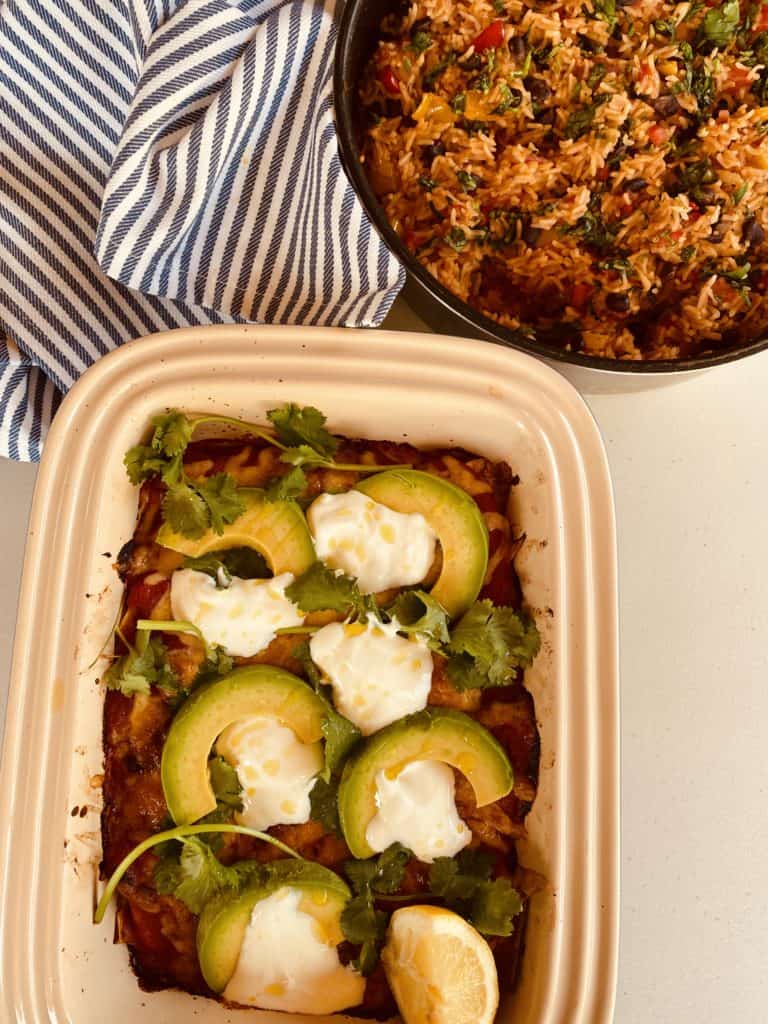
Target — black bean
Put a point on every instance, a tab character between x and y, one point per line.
420	25
666	106
517	47
635	185
473	63
430	152
538	88
546	116
717	234
753	233
617	301
392	108
588	45
531	236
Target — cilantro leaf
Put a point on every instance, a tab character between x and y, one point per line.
145	665
320	589
245	563
142	461
287	487
220	494
488	645
720	24
464	883
185	511
173	432
384	873
340	737
364	926
606	11
323	805
197	876
361	922
295	426
417	612
225	783
494	907
580	121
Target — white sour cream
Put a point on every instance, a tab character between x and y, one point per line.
369	541
242	618
376	675
417	808
276	770
287	963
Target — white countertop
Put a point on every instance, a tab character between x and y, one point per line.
690	471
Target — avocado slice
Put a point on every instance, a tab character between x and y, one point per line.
224	920
435	734
277	529
253	690
455	518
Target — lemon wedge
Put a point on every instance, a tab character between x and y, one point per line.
440	970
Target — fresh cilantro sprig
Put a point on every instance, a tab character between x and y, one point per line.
193	506
195	875
145	665
181	833
287	487
190	506
720	25
464	884
489	644
362	923
420	614
245	563
295	426
322	589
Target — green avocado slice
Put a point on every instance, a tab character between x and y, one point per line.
254	690
435	734
277	529
455	518
224	920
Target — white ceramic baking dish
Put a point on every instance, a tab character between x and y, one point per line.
56	965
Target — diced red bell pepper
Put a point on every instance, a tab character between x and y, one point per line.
389	80
658	135
491	38
581	294
694	213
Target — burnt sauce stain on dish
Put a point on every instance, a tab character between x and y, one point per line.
159	930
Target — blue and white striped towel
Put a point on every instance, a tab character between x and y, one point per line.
166	163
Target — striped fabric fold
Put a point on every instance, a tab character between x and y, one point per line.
166	163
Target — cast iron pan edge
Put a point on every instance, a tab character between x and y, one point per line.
358	32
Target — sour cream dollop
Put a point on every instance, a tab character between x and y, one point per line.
275	769
369	541
286	962
417	808
376	675
243	618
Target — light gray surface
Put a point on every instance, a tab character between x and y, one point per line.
17	481
691	482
